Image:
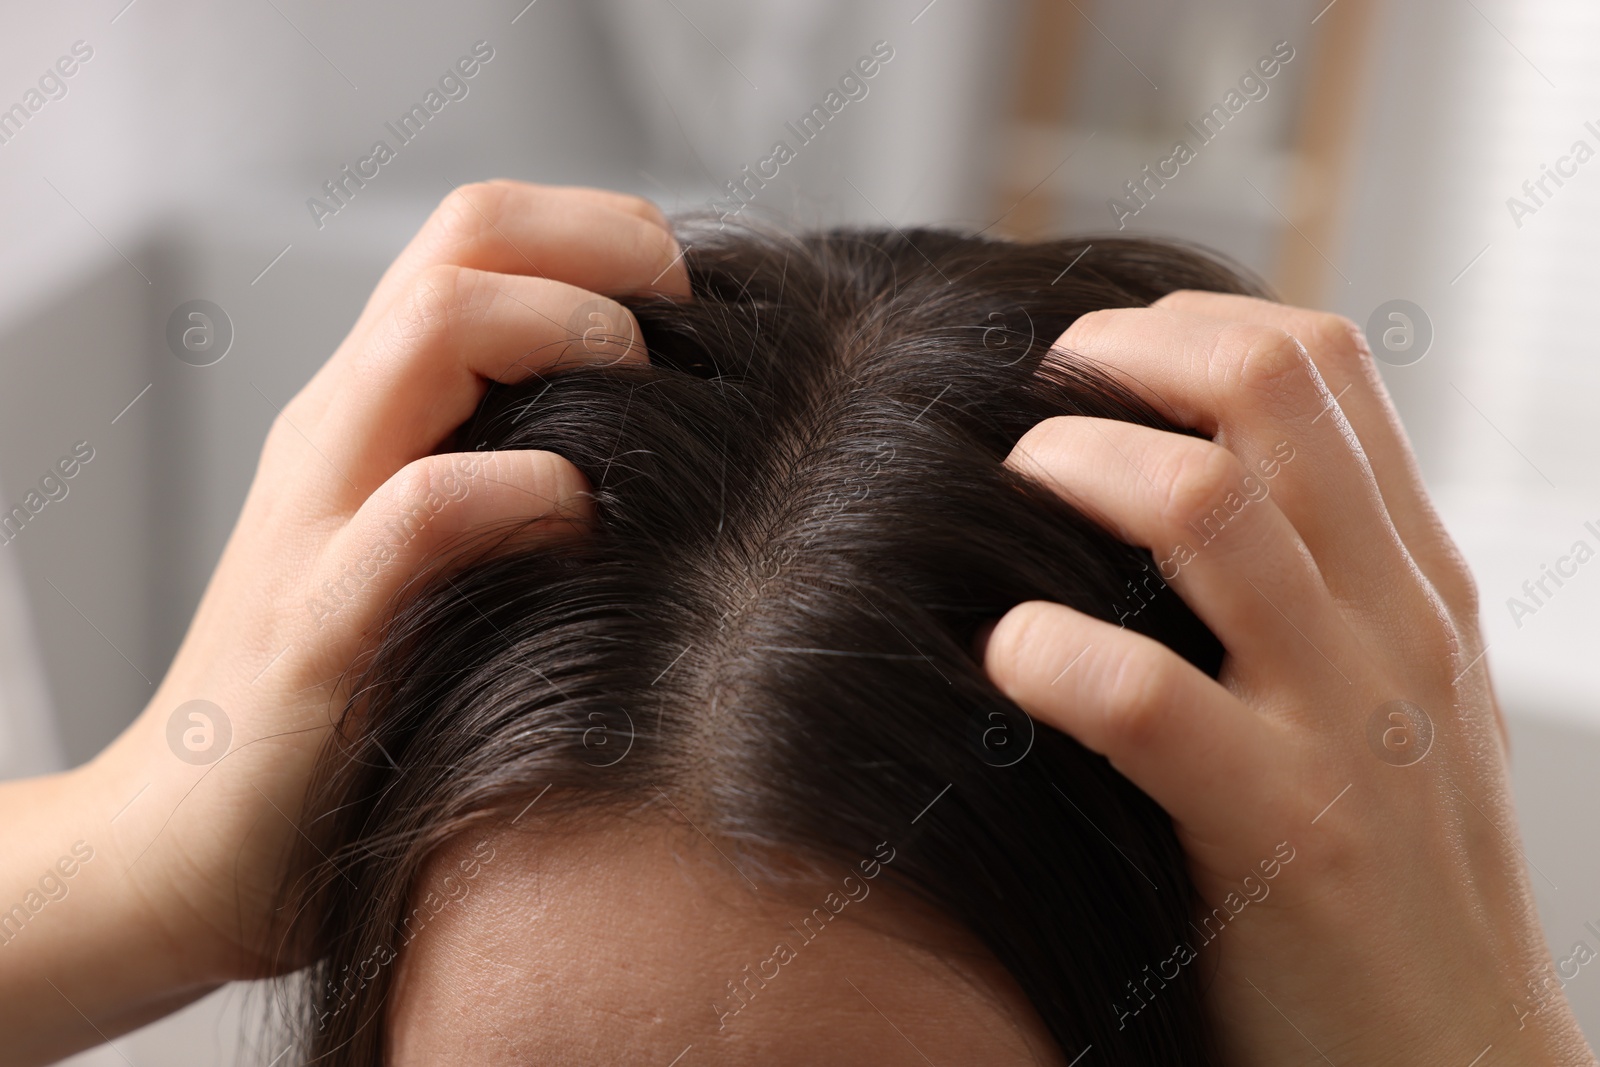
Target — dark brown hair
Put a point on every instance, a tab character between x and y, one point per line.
802	521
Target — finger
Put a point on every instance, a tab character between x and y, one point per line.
413	518
624	202
1255	391
1217	536
1340	351
424	369
1167	727
604	242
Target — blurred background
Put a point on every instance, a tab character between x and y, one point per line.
1424	151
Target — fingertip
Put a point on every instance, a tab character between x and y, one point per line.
673	281
558	488
1016	643
573	496
653	212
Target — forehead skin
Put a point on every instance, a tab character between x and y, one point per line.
617	944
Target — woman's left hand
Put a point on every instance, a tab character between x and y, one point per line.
1341	790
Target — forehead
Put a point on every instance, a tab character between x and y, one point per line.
645	943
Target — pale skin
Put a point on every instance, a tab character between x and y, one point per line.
1402	932
678	955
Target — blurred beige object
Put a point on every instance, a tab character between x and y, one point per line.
1039	119
1325	141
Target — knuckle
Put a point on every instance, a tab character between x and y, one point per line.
467	210
286	439
1339	340
1456	586
424	496
1342	849
280	435
1455	580
1443	566
1435	630
1261	361
1439	648
1198	476
410	487
1460	588
430	304
1138	697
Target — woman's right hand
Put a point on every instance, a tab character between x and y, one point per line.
187	816
1341	790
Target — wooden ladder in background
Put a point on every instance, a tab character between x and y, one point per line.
1324	138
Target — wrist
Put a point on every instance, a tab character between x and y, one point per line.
81	937
146	815
205	832
1544	1033
1497	1019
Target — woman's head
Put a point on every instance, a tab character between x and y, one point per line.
724	772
